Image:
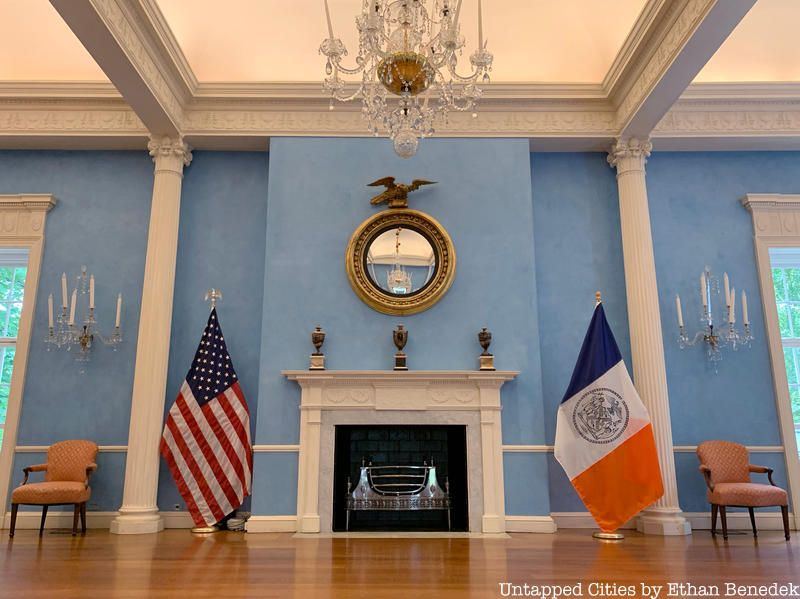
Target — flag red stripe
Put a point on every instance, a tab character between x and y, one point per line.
218	428
183	488
199	432
239	427
191	463
238	391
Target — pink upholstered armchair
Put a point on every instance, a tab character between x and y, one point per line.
726	467
66	482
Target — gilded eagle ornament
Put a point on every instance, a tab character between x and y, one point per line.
396	194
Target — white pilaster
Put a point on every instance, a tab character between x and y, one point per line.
139	511
647	345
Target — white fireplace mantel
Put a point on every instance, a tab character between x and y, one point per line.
331	397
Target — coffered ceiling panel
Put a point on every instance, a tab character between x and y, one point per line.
36	45
571	41
765	47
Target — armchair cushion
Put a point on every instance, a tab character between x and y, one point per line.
747	495
49	493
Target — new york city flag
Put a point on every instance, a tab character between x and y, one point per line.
604	439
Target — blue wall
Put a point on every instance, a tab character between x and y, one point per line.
220	245
536	235
100	221
317	197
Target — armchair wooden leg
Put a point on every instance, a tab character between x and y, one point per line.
83	518
753	521
714	510
784	513
44	517
14	508
75	515
724	522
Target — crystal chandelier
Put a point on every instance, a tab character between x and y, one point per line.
398	280
408	53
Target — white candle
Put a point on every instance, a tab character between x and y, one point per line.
745	317
732	317
119	309
703	289
328	16
72	307
678	308
50	310
480	25
727	289
91	292
458	13
64	290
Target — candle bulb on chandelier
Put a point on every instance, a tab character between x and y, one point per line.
50	310
458	13
727	289
679	310
732	314
703	289
119	309
91	292
745	317
64	290
480	25
72	307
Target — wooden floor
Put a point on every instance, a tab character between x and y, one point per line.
178	564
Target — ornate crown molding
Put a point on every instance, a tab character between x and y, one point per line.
23	215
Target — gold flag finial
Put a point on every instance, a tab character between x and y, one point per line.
597	297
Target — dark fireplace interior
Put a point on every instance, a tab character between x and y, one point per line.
401	445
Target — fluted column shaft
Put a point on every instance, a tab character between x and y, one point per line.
139	511
644	320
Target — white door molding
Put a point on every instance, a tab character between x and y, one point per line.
22	225
776	223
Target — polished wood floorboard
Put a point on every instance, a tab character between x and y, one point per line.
176	563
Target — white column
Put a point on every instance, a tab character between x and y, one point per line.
644	319
139	511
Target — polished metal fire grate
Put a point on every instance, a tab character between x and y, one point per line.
397	488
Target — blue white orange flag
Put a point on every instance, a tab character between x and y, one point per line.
604	439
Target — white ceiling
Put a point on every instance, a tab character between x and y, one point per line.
764	47
277	40
552	41
36	45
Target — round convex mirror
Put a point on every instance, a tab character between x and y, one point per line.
400	261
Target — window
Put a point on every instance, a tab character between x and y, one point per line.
13	270
785	263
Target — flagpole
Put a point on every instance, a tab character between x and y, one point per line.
213	295
601	535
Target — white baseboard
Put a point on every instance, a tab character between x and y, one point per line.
539	524
30	520
582	520
271	524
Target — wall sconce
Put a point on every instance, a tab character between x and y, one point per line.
716	337
65	331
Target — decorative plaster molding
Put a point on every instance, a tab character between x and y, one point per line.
169	153
629	154
128	23
672	30
23	215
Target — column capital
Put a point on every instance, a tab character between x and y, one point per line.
629	154
169	153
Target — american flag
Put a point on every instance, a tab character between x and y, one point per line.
206	440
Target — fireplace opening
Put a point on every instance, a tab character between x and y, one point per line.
437	455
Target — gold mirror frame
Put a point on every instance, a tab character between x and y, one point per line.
375	297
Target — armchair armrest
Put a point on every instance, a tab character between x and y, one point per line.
762	470
35	468
89	470
707	475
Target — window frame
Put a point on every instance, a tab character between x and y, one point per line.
776	224
22	225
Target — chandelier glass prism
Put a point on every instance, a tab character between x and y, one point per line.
408	60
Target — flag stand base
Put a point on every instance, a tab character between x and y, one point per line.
202	530
608	536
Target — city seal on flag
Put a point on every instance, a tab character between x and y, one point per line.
600	415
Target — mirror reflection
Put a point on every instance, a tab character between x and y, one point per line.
400	261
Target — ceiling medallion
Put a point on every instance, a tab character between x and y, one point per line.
407	57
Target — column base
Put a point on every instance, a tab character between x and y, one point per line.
666	522
137	523
491	523
309	523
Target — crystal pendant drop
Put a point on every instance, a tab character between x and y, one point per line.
328	67
486	77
